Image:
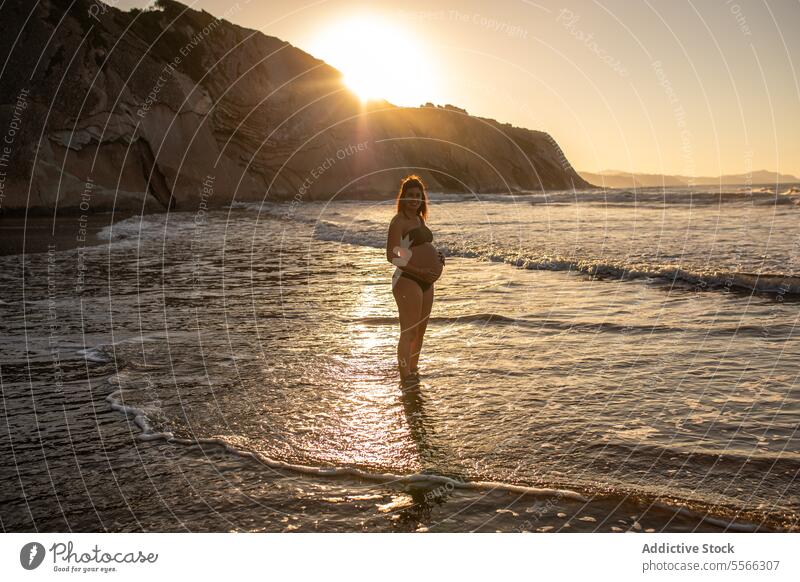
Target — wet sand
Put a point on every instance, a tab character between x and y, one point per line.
38	233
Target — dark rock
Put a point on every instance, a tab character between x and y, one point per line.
138	109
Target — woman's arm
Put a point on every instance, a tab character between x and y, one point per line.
393	240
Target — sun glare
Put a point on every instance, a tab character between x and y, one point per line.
378	59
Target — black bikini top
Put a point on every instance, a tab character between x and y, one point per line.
421	234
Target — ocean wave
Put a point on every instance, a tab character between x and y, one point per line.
148	433
534	322
727	524
130	227
641	196
147	226
259	206
779	284
135	227
762	462
603	197
141	417
423	479
473	317
772	284
761	196
776	331
97	354
154	426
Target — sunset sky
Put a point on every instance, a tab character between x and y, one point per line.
697	88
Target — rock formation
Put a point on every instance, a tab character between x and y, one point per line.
163	108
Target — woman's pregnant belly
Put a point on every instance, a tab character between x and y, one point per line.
425	256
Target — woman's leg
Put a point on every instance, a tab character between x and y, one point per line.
408	296
416	343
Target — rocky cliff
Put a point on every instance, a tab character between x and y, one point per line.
166	108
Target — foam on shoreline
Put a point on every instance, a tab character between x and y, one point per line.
149	434
783	285
423	479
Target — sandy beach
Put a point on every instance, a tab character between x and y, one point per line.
38	233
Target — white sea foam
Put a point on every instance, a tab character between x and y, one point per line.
257	206
141	420
133	227
424	479
771	283
148	226
724	523
96	354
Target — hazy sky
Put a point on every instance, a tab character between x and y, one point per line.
662	86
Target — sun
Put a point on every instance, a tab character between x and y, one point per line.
378	59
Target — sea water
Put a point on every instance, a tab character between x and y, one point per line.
595	361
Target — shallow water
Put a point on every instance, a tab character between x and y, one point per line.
592	390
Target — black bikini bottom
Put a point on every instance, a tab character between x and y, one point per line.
424	285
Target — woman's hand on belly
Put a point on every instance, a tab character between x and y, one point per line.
426	259
426	274
430	275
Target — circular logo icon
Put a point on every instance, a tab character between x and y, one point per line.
31	555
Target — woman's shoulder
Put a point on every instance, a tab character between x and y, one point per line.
401	220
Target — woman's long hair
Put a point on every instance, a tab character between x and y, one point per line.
412	181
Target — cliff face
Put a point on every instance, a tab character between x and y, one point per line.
172	107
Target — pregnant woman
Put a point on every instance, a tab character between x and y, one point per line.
419	265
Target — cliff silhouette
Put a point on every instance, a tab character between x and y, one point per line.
146	109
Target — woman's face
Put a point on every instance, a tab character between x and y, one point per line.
413	198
